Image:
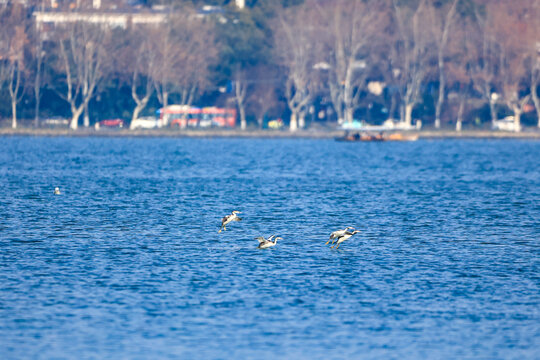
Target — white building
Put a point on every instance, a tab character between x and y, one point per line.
111	19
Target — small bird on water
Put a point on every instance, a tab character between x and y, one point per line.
266	243
57	191
227	219
336	234
344	237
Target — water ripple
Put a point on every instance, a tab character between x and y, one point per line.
128	261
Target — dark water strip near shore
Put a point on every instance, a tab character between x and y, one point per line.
234	133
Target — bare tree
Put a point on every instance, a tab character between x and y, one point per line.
461	55
38	55
535	83
183	51
533	47
263	100
196	38
442	19
135	61
141	80
411	55
240	91
351	27
82	57
512	53
16	71
296	46
37	52
5	44
484	69
263	96
168	54
13	40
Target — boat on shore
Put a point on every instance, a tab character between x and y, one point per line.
401	137
377	137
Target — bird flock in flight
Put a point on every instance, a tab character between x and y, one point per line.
337	236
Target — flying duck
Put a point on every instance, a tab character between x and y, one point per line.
227	219
266	243
336	234
344	237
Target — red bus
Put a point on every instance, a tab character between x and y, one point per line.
179	116
182	116
220	117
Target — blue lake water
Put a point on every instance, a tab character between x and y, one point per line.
128	263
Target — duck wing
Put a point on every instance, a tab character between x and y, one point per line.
261	239
337	234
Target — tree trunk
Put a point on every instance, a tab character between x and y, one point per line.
165	99
243	123
536	101
140	106
240	94
339	113
293	124
393	105
37	93
493	112
349	115
73	124
86	119
13	113
76	113
140	103
37	79
442	45
302	121
460	114
14	83
517	119
438	108
408	114
36	111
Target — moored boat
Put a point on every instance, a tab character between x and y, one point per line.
401	137
377	137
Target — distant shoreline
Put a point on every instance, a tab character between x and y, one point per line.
266	134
